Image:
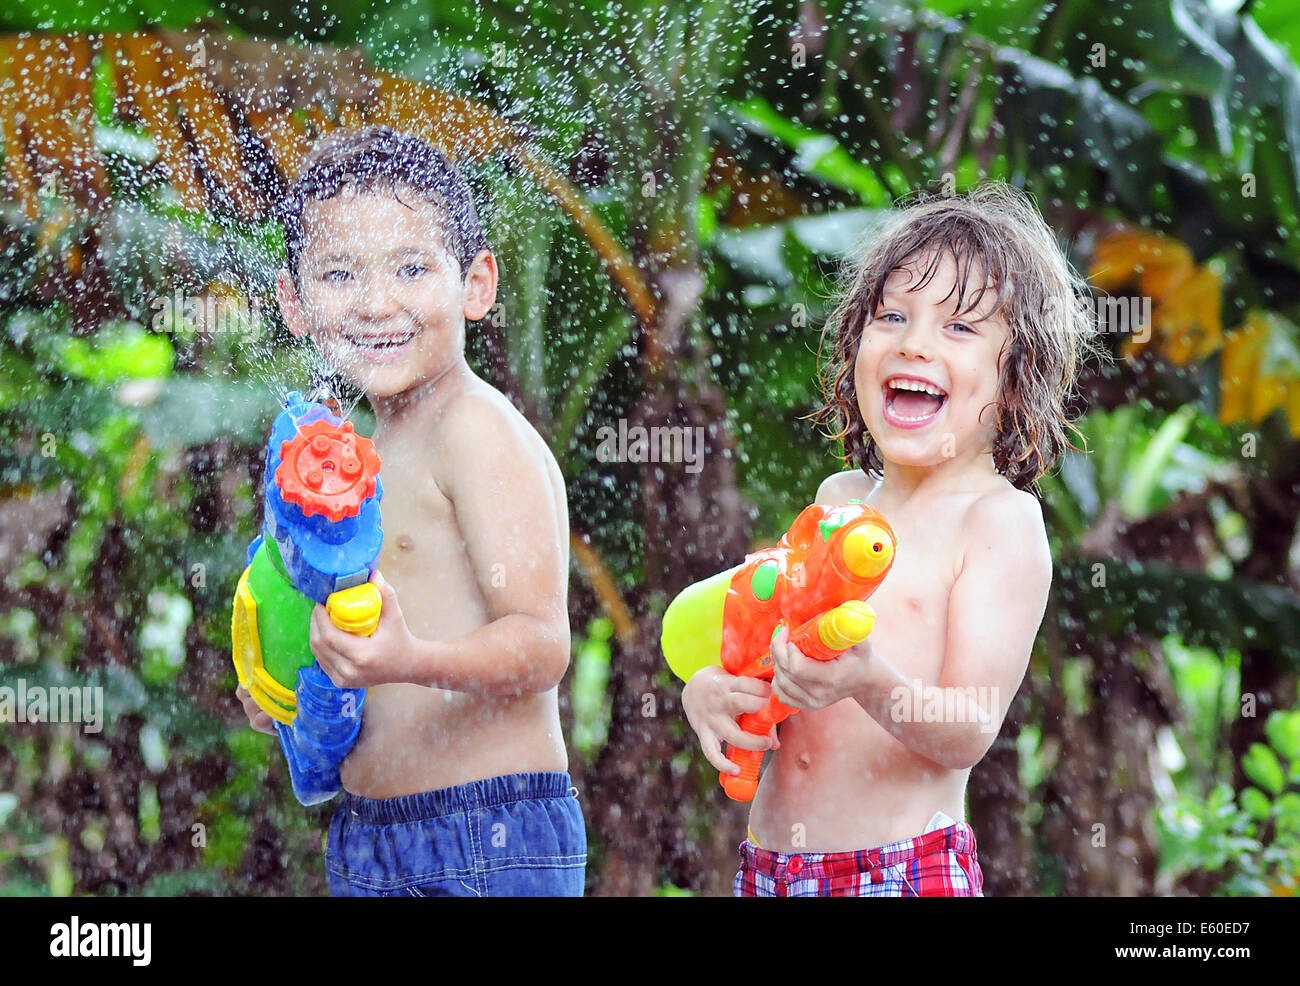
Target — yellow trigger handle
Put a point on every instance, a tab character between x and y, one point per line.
355	610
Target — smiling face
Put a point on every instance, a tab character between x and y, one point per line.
379	293
926	376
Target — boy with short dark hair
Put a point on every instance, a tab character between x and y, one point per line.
458	783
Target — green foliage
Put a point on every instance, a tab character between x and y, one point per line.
669	890
120	15
774	284
1154	600
1208	685
1137	459
819	155
588	692
118	353
1249	840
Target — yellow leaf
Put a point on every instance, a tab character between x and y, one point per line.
458	127
145	82
19	180
1268	394
1157	262
47	119
1188	321
213	135
1293	405
45	84
1243	352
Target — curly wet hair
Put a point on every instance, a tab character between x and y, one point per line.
995	235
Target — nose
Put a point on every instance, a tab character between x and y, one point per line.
375	301
914	339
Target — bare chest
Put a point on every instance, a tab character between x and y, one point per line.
911	604
418	517
424	554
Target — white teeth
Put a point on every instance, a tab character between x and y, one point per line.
373	342
916	385
919	387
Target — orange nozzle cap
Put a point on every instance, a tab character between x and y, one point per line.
327	470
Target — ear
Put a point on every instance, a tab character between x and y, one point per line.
290	305
481	286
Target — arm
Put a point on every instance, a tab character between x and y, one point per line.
495	471
496	474
994	611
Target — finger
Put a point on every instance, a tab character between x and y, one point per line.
735	736
738	702
321	642
750	686
778	648
794	662
336	669
775	740
258	719
713	753
327	659
789	693
387	594
323	629
314	633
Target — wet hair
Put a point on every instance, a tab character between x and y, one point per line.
377	158
998	241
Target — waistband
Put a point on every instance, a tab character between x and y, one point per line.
958	837
486	793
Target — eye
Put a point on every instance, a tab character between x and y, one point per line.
415	269
961	326
888	315
335	275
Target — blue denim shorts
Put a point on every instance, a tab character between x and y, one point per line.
521	835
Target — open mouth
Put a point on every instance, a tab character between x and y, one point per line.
380	348
910	402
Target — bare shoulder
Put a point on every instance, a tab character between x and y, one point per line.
1010	521
841	487
480	427
482	419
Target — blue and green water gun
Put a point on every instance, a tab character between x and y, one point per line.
321	535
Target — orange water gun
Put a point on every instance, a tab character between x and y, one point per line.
815	580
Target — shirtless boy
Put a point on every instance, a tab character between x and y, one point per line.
458	783
956	343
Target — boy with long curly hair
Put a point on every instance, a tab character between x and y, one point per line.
955	348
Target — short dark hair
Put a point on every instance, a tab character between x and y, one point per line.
379	157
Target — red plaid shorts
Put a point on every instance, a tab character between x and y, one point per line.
941	863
